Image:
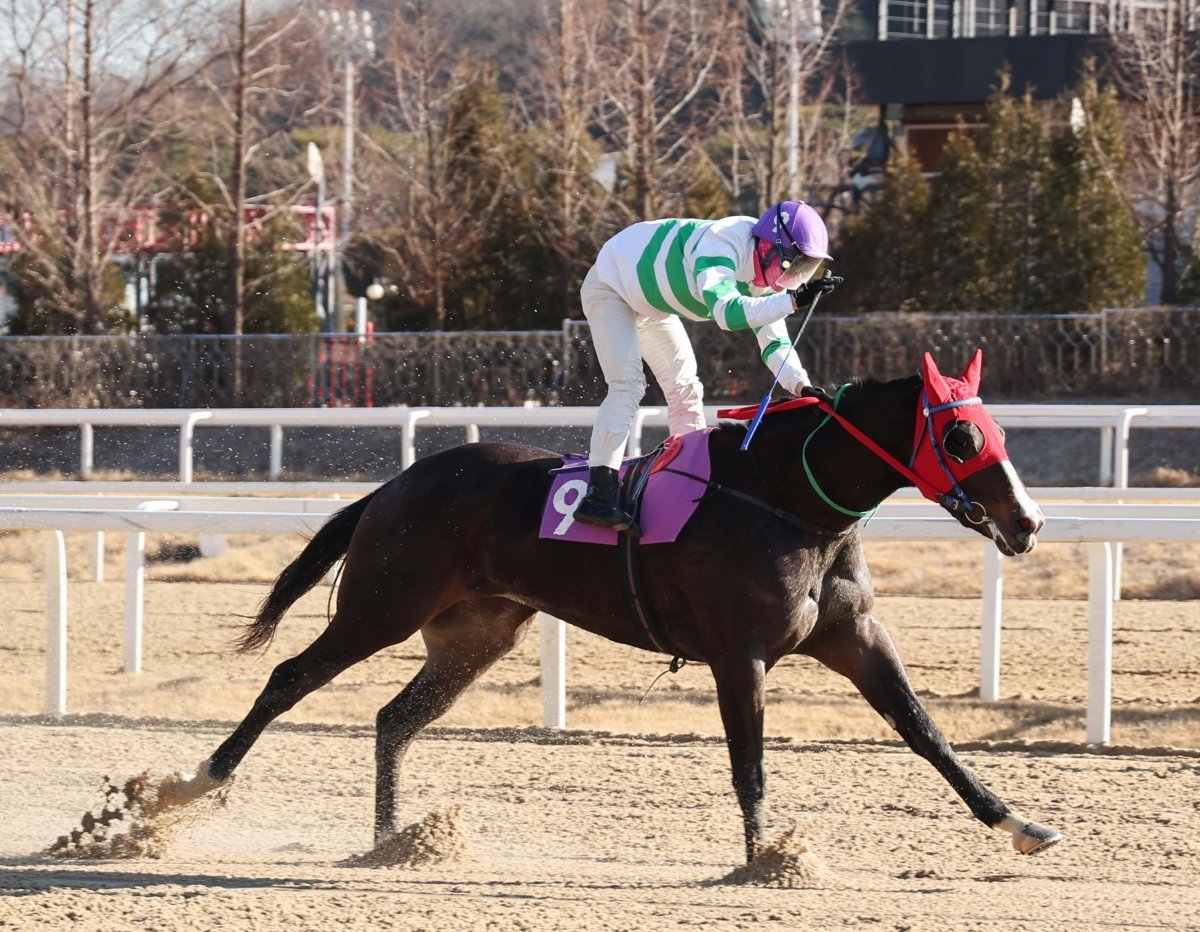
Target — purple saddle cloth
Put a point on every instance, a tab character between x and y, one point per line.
667	503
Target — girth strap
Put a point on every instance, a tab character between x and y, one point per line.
632	590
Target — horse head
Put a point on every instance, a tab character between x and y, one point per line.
959	456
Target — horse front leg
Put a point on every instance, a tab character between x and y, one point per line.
740	696
863	652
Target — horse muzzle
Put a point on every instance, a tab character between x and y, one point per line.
1011	518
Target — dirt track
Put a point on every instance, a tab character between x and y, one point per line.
603	833
598	830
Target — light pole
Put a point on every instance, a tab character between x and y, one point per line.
321	266
352	35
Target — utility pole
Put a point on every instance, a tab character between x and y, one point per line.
352	34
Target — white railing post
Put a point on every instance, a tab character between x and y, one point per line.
86	451
135	587
135	584
1121	453
408	440
1121	481
552	633
276	468
187	443
989	642
98	558
1106	455
1100	630
56	624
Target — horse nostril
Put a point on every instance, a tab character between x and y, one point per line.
1027	523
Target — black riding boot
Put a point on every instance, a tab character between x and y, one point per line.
601	505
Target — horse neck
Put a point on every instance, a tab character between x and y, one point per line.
847	472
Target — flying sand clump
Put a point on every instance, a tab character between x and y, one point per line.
436	839
786	862
132	822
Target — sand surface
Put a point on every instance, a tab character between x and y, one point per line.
626	821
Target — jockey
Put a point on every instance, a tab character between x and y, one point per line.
741	273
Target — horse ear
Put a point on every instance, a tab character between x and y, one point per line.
972	372
935	384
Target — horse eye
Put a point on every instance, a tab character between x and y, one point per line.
962	440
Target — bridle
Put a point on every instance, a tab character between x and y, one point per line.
955	499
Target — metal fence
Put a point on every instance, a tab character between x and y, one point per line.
1134	353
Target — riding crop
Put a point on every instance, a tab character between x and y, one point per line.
766	400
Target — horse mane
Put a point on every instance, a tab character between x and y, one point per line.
861	390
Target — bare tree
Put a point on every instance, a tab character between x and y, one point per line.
554	104
1156	63
656	70
789	125
247	99
83	121
441	169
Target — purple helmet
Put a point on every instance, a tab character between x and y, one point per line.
795	227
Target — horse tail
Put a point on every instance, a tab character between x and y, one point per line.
327	547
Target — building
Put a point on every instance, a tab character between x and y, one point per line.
929	63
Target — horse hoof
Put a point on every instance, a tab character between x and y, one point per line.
1031	838
179	789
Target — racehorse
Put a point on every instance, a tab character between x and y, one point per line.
770	564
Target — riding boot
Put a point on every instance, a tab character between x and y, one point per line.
601	506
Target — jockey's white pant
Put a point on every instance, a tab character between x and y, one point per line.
622	338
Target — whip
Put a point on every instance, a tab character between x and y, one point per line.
766	400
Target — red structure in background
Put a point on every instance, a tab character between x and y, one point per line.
153	229
343	376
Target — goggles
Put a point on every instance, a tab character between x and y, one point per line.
795	267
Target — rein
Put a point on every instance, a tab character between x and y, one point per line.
954	501
714	486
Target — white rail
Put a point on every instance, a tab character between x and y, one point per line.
1098	533
1114	421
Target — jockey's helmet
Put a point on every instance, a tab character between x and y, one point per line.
798	237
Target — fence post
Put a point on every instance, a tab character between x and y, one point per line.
1100	630
276	467
408	438
989	647
187	443
86	449
552	633
135	584
135	587
56	624
98	558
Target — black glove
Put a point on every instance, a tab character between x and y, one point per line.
809	290
812	391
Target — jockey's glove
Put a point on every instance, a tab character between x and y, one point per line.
813	391
809	290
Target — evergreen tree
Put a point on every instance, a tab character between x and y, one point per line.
1016	163
1091	246
884	249
960	267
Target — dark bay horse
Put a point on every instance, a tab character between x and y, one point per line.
450	549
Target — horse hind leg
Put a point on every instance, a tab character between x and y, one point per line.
462	643
354	633
863	653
